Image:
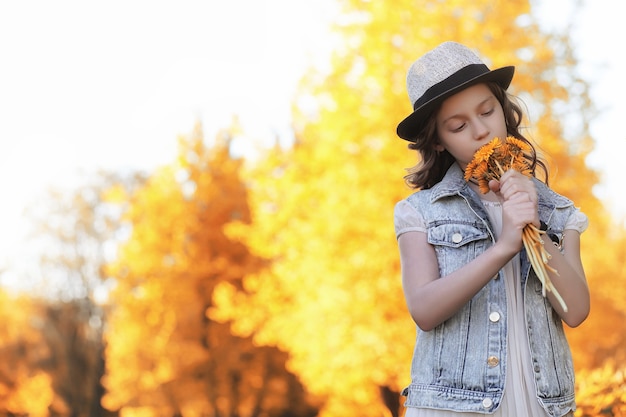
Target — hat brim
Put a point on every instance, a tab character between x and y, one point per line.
409	128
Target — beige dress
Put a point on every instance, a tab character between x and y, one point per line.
519	390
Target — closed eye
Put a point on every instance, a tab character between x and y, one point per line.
488	112
458	129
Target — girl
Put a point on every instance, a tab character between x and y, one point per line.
488	341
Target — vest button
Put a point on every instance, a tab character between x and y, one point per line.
457	238
487	403
494	317
493	361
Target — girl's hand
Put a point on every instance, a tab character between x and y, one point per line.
519	206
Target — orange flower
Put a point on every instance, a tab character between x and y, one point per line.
520	145
487	150
496	157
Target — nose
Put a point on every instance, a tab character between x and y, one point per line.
481	130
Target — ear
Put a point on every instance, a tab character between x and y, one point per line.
439	147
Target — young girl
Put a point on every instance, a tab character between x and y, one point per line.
488	341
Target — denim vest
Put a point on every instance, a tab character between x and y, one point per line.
461	364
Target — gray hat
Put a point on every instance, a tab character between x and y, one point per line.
440	73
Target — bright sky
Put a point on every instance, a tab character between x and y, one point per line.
86	85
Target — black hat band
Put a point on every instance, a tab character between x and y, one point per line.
460	77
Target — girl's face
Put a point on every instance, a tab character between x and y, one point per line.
468	120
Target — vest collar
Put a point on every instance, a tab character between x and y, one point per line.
453	183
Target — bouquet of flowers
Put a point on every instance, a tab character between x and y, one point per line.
489	163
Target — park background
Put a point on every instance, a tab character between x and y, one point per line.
198	197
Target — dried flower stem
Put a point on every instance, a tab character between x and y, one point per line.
539	257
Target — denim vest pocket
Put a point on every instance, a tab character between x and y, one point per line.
455	234
457	243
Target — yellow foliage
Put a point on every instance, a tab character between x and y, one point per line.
137	412
164	271
25	389
164	355
116	195
33	395
602	391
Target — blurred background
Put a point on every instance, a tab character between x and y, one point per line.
198	197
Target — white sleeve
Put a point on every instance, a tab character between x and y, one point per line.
407	219
577	221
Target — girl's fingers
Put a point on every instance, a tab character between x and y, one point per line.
521	210
494	185
513	183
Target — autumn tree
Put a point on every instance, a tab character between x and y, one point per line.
322	210
76	230
601	391
25	386
165	357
